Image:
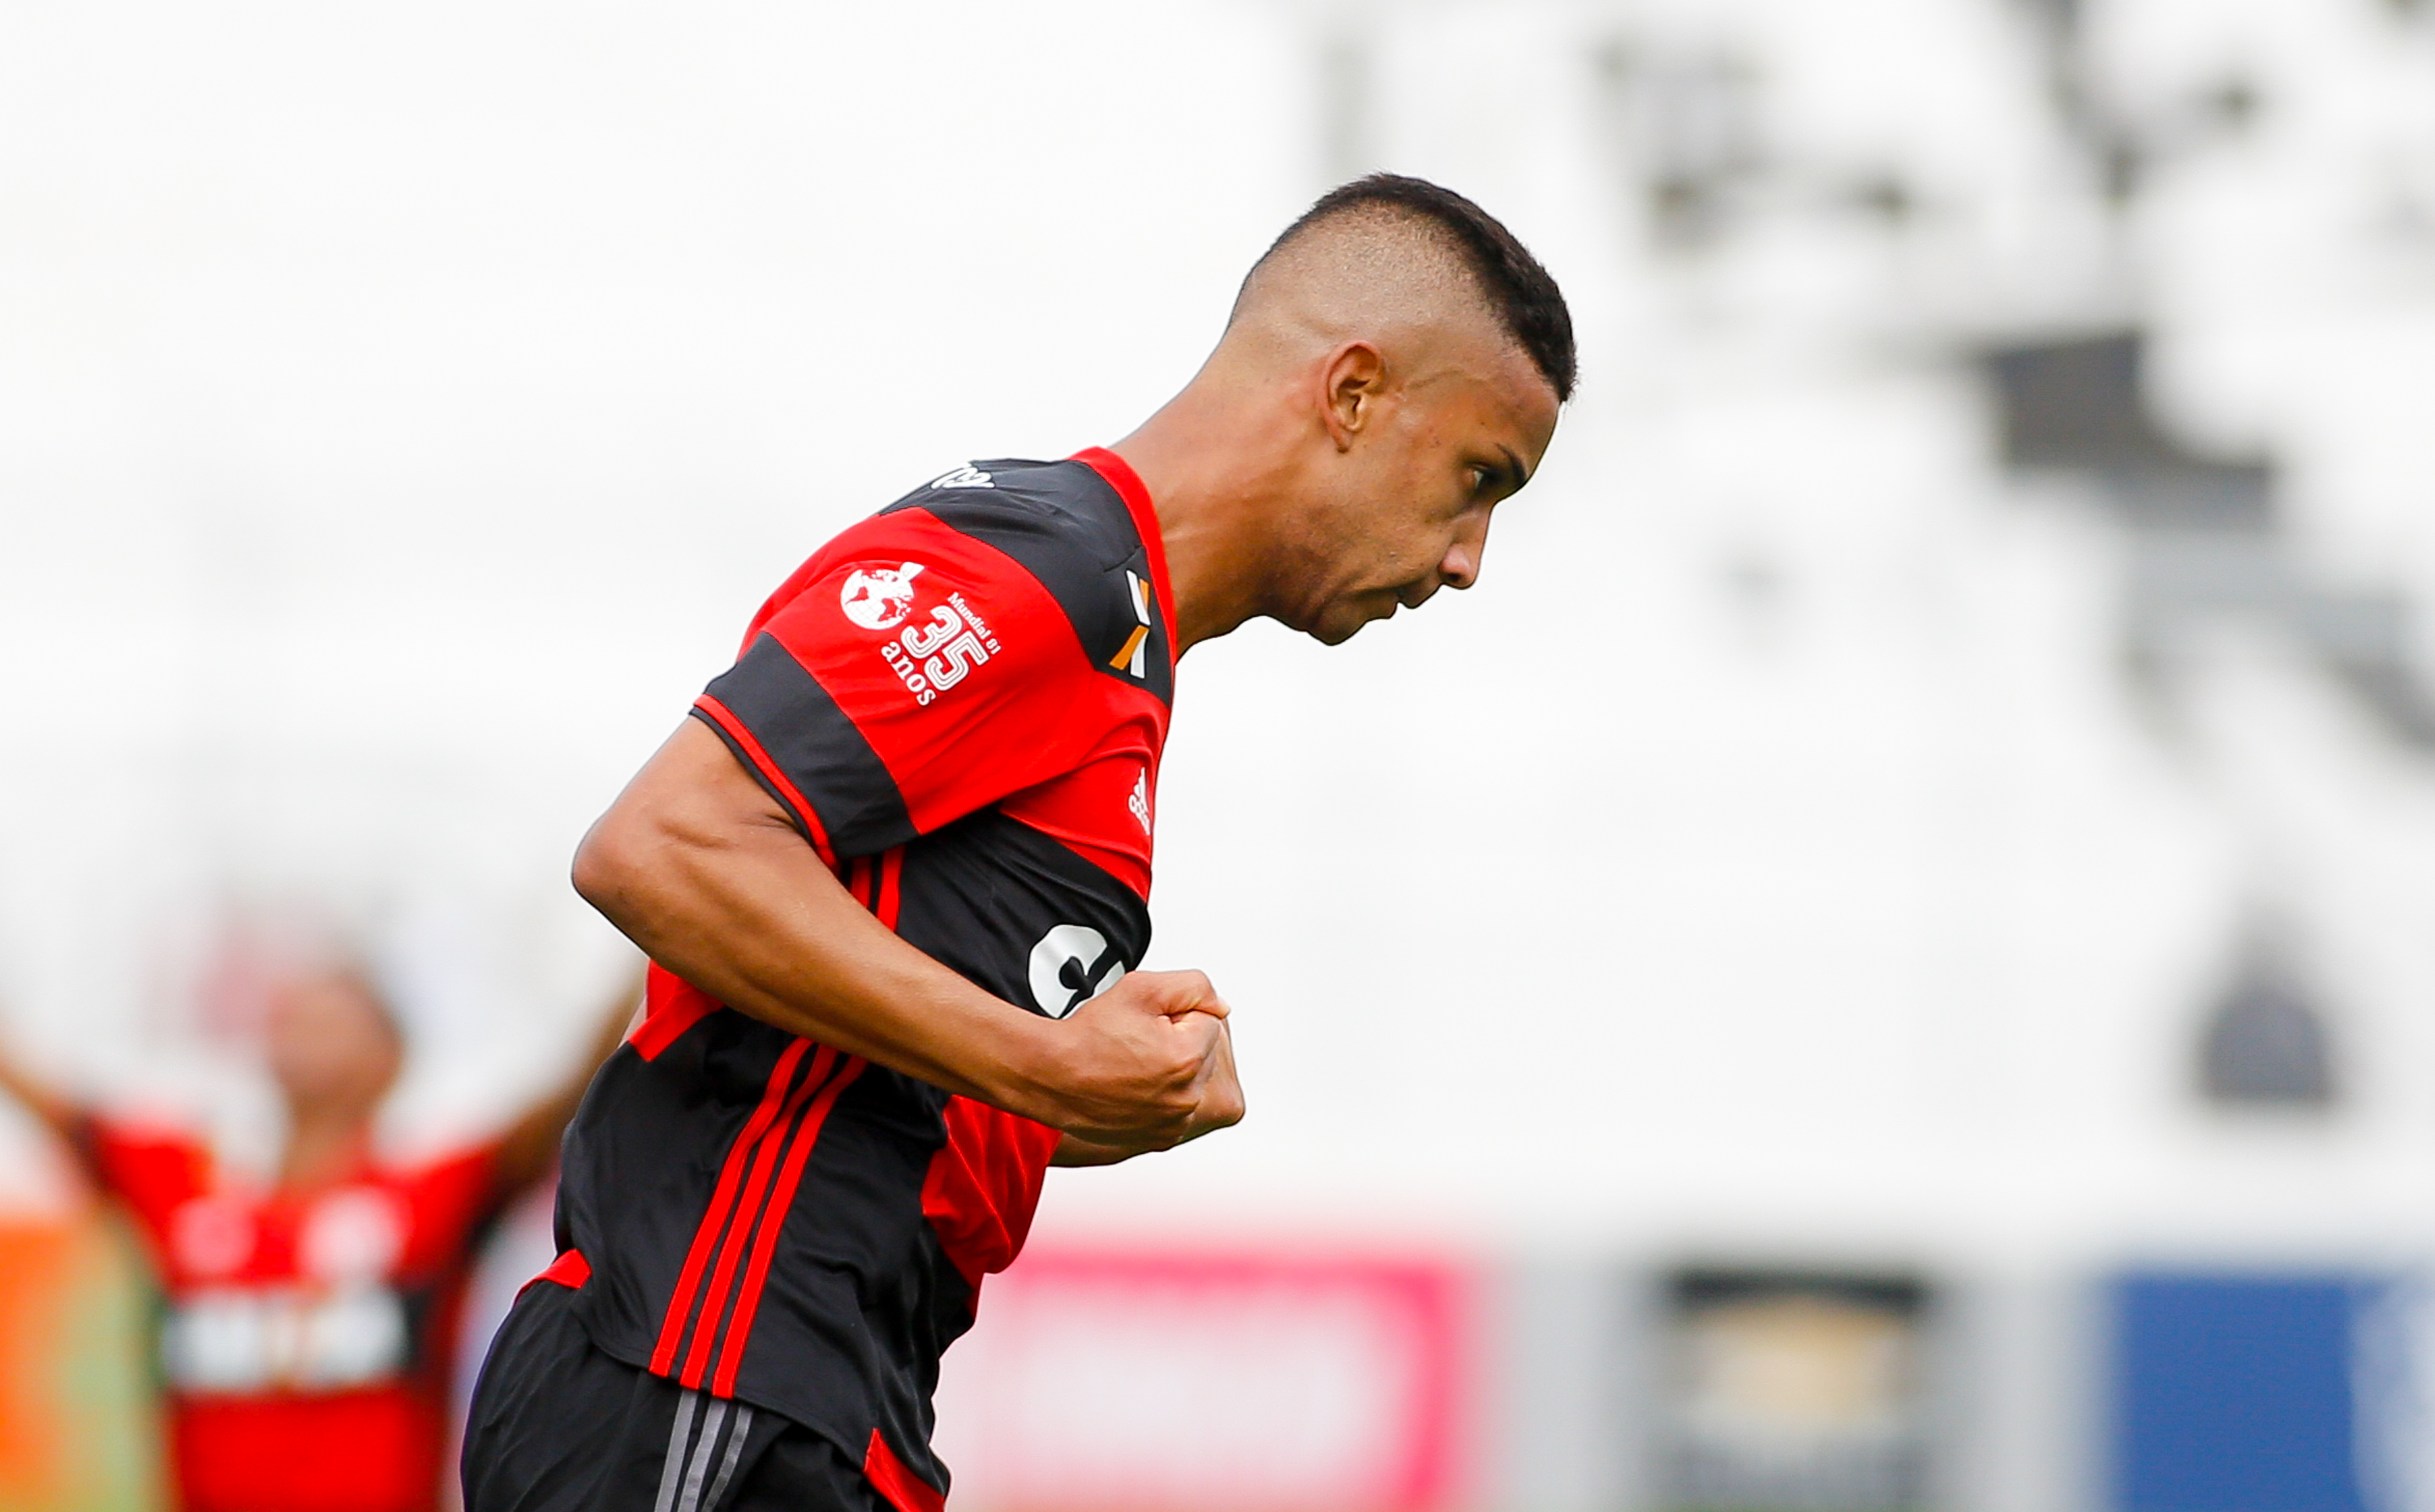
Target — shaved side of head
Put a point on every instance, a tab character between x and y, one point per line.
1394	367
1404	261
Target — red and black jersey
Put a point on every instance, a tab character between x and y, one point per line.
961	702
305	1335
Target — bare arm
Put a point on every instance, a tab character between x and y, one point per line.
50	1108
699	866
530	1143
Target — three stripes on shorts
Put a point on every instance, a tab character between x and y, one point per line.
691	1454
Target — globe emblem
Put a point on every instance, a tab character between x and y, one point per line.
878	599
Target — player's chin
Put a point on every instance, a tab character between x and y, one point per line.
1345	620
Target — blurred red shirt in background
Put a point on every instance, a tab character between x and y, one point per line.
308	1338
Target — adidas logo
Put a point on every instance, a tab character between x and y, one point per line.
967	476
1139	802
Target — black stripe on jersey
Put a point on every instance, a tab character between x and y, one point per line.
1070	529
815	745
974	885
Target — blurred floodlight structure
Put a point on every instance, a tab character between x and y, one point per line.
1890	925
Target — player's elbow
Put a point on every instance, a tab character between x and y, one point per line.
610	865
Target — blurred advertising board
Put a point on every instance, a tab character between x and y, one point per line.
1796	1392
1146	1382
2298	1391
77	1429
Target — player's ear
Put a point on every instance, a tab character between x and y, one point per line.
1353	376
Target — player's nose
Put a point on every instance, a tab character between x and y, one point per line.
1460	567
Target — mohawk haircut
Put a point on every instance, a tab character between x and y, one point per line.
1519	292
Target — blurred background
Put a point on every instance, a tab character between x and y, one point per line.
1878	961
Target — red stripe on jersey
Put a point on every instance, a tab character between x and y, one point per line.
570	1269
1020	715
773	773
1135	493
904	1490
671	1005
1089	812
722	1200
891	895
738	1333
984	1185
750	1209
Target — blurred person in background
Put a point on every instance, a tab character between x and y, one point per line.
309	1323
893	878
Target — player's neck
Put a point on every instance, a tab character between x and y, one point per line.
323	1144
1219	479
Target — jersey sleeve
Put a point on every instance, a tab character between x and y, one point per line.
153	1170
450	1199
909	675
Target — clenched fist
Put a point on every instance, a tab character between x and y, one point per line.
1144	1066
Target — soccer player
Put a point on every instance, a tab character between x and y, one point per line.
892	873
309	1323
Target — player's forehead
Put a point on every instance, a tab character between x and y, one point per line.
312	997
1493	391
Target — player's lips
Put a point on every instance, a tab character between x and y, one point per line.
1398	598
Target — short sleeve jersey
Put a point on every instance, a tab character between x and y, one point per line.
305	1337
961	703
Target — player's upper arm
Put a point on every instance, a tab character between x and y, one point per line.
914	675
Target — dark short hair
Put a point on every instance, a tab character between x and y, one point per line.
1520	293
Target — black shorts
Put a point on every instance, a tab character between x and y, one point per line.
557	1426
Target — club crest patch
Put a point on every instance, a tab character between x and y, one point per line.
878	599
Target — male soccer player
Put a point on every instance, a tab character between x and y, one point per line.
309	1323
892	873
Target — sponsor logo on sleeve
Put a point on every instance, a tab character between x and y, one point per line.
1071	965
966	476
1129	656
1139	802
878	599
941	650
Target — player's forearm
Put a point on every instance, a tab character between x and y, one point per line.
703	872
38	1097
530	1143
1074	1150
747	914
69	1122
750	916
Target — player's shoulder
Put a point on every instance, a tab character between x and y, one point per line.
1066	527
153	1158
1062	513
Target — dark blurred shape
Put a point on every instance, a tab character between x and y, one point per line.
2236	1393
2078	405
2063	16
2234	103
2206	547
2264	1044
1688	128
1887	197
1796	1392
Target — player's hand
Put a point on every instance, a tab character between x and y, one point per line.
1146	1065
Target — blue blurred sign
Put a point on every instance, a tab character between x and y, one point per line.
2236	1393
